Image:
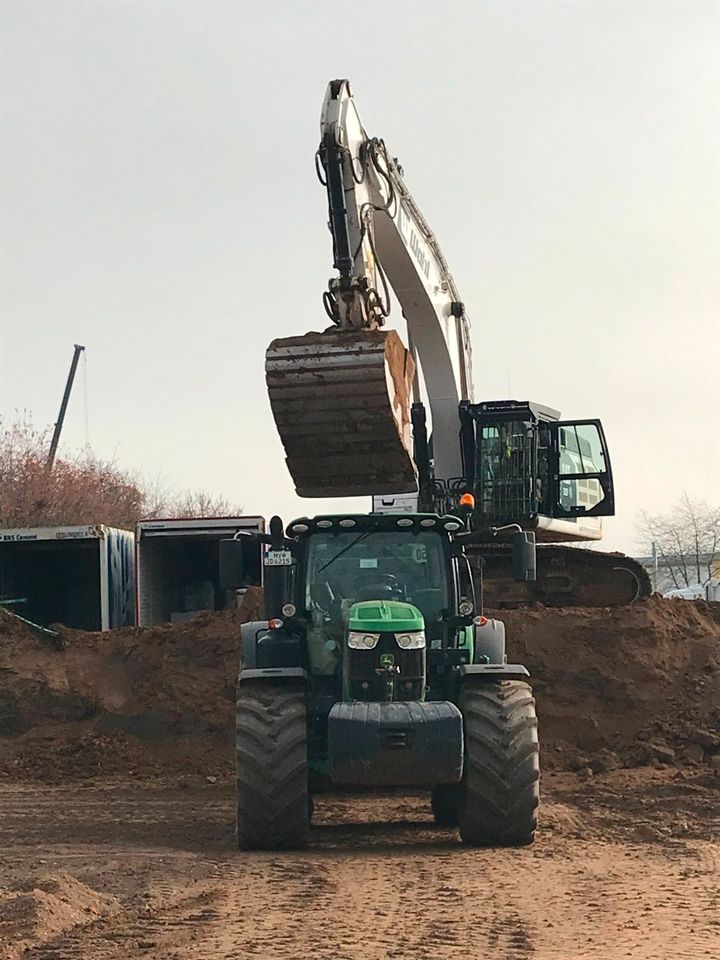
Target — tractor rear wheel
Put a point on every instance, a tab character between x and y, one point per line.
499	793
273	801
444	803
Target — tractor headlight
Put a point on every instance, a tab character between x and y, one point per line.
362	641
411	641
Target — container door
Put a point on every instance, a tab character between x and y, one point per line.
582	484
119	586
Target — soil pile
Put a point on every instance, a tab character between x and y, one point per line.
36	912
623	686
615	687
143	701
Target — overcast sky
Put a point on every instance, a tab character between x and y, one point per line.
158	204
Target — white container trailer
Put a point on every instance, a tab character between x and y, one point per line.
177	566
82	577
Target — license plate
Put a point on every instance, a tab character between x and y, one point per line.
278	558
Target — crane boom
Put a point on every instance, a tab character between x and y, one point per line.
78	349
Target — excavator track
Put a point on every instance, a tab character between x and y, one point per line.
566	577
341	403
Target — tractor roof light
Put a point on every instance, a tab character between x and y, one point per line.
348	523
323	524
405	522
452	525
427	522
299	528
467	500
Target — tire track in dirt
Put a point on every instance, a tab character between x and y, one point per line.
599	900
427	906
379	882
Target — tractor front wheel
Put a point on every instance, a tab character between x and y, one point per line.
273	801
499	793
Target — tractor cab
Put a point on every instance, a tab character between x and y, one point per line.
348	597
367	589
380	579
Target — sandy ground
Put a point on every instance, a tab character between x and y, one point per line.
116	809
626	865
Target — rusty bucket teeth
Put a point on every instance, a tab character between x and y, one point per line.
341	402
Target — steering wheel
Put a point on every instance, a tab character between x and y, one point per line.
382	586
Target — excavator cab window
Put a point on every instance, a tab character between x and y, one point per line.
581	483
506	470
527	465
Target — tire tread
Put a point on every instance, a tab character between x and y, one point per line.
272	767
500	791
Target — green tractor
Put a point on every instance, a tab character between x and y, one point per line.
376	669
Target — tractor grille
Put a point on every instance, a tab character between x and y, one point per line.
368	678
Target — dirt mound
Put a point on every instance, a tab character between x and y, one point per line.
138	701
623	686
36	913
615	687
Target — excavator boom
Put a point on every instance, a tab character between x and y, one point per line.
355	382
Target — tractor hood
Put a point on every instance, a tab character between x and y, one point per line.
385	616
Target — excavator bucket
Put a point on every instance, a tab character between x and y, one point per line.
341	402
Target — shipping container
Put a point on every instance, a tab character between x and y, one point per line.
82	577
177	566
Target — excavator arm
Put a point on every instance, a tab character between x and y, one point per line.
356	381
382	240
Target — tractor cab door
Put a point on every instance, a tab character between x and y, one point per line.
581	483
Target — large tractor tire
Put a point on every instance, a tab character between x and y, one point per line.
499	794
273	803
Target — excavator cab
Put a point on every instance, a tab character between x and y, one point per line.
524	465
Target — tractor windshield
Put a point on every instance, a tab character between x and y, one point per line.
343	568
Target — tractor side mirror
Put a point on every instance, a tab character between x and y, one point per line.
231	566
524	556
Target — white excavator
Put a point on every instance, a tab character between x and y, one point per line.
360	413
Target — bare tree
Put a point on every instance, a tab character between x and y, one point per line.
200	503
80	489
687	540
158	497
84	489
